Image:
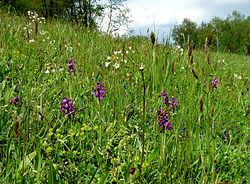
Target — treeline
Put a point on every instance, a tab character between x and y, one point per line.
79	11
87	13
231	34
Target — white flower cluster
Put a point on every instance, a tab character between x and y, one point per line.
178	48
118	57
31	28
49	68
33	16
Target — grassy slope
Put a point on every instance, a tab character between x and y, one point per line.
104	139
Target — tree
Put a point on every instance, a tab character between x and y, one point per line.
117	16
185	33
79	11
85	12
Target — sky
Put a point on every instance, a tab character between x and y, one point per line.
161	15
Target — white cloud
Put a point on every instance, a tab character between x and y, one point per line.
148	13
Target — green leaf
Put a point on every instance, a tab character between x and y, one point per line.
138	143
27	161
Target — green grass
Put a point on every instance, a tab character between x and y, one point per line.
209	142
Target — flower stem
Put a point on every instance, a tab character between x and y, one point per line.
143	122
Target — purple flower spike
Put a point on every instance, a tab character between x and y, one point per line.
215	82
71	66
67	107
162	118
169	126
14	101
169	102
173	103
99	91
166	99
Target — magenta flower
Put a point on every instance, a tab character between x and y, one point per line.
71	66
169	126
99	91
67	107
215	82
163	119
166	99
14	101
172	103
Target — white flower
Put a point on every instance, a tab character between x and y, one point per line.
237	76
47	71
107	64
108	58
31	41
116	65
142	66
61	69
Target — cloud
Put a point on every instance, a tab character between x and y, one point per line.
156	13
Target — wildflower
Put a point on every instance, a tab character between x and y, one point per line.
132	171
237	76
31	41
61	69
99	91
215	83
169	126
173	103
142	66
116	65
166	99
162	118
71	66
107	64
14	101
67	107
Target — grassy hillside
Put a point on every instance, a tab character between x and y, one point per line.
80	107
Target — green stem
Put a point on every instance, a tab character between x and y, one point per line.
143	122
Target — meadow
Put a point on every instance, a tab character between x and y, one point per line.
77	106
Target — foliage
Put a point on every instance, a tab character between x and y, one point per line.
74	105
230	34
116	16
185	32
83	12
